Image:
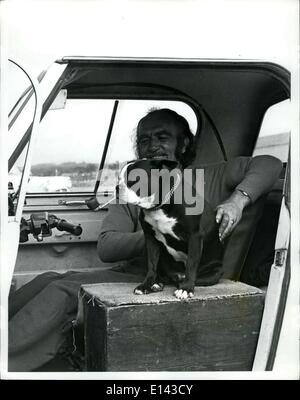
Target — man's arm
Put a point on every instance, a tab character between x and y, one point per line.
256	176
121	237
249	178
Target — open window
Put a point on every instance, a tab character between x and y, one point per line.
274	135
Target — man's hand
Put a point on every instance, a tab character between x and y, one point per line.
230	212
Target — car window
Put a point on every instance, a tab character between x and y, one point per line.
69	146
275	132
19	99
15	174
70	143
18	84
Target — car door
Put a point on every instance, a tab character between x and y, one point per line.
23	122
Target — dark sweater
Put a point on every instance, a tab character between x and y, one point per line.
121	237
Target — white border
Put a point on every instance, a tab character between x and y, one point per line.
3	188
293	299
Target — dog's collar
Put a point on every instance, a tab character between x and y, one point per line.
167	196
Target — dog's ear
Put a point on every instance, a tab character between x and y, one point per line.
130	162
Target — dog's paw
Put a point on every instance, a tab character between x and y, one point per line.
157	287
182	294
146	288
141	289
138	291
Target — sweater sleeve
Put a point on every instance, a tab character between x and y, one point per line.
254	175
121	237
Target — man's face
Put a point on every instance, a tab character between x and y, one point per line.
157	137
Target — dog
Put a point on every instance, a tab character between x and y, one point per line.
179	245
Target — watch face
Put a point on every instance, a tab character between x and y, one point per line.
244	193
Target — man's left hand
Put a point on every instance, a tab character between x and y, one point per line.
229	213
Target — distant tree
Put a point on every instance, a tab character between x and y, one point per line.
114	165
45	169
69	167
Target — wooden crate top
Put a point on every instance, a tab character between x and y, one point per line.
120	294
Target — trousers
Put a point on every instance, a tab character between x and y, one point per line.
42	311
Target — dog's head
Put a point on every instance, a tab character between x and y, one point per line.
146	182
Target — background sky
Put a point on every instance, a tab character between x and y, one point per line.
41	31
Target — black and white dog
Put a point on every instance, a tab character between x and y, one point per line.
182	248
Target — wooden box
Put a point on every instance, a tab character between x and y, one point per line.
216	330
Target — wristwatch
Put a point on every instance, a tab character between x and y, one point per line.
244	193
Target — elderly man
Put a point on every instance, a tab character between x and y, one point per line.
229	186
42	313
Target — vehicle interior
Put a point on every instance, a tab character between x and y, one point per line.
82	143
